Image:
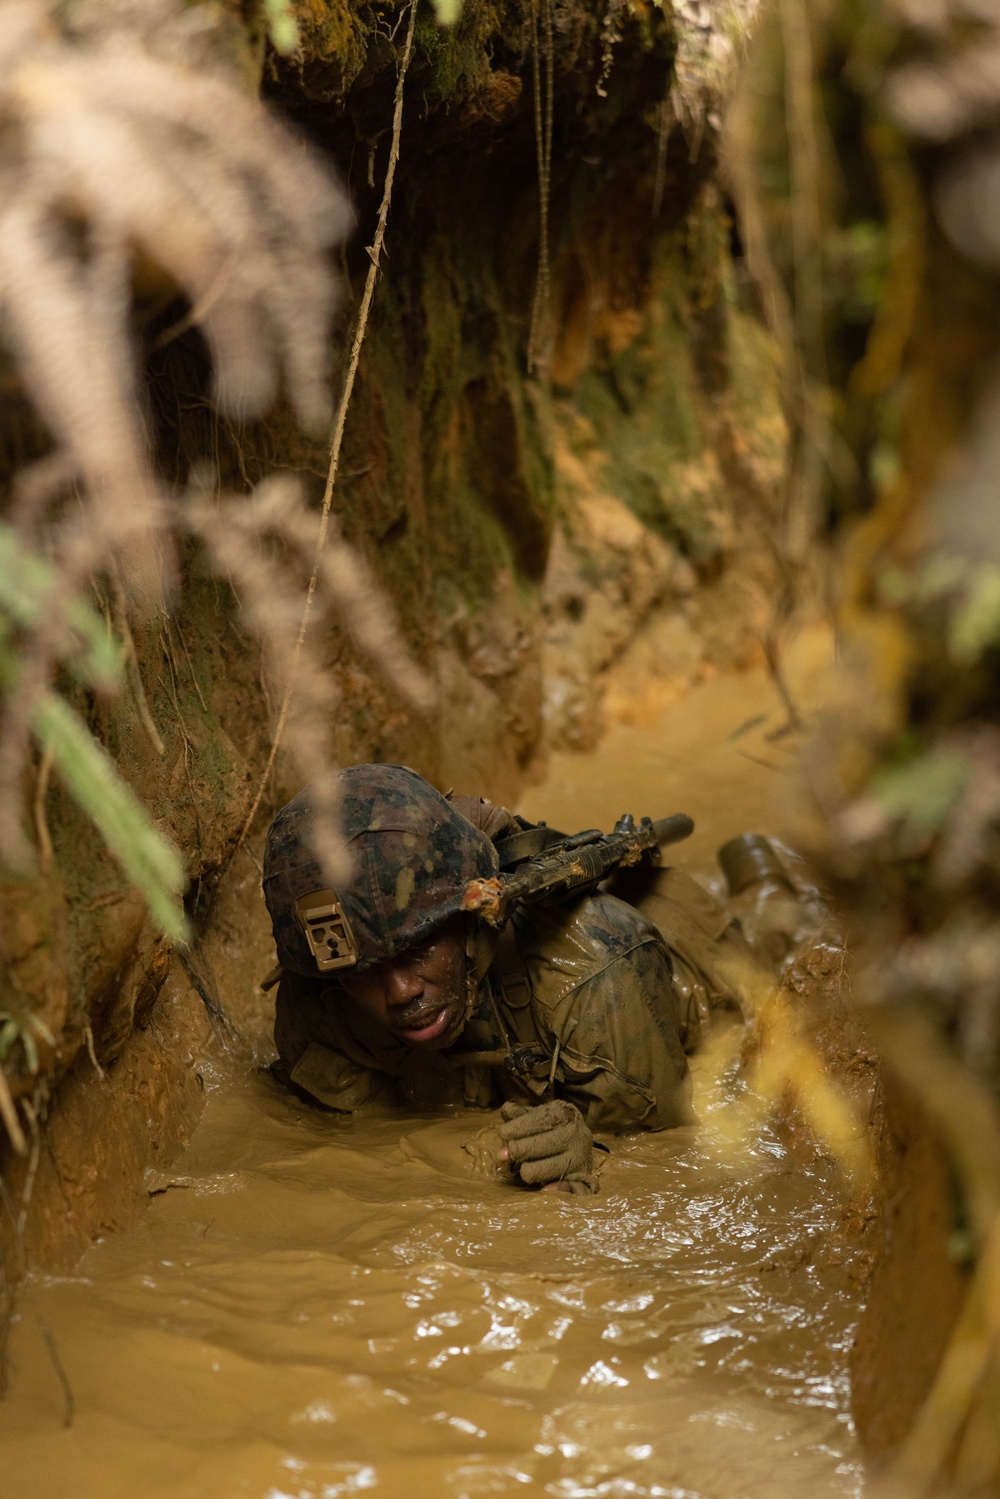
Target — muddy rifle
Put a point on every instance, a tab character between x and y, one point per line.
548	867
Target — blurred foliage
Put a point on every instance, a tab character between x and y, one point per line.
864	151
923	789
32	595
31	592
152	863
282	27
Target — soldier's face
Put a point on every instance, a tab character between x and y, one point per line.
420	995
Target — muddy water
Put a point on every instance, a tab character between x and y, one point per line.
317	1307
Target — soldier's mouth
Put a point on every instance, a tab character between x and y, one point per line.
427	1025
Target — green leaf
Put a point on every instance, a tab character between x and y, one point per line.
30	1050
26	579
30	588
282	27
100	665
150	861
923	791
447	12
975	624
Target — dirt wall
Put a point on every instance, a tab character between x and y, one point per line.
919	1279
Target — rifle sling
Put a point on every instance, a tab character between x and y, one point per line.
509	981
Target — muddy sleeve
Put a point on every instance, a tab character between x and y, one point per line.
495	822
308	1056
620	1055
294	1018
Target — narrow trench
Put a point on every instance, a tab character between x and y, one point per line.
313	1306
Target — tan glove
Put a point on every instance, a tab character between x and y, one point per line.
549	1145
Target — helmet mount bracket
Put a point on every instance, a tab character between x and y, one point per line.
327	930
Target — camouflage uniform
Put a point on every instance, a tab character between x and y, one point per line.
593	1001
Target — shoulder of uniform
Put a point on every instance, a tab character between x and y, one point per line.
598	918
493	820
565	946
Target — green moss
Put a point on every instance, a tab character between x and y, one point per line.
644	405
347	42
453	62
335	34
344	43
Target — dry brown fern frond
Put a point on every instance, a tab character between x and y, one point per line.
117	137
108	145
121	132
266	545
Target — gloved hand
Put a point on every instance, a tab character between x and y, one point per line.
549	1144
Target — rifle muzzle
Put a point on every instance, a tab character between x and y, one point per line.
673	829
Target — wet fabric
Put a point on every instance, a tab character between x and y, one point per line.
709	955
595	1022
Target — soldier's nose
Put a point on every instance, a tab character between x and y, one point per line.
402	985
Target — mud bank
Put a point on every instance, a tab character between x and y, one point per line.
919	1281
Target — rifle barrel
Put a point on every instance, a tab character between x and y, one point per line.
673	829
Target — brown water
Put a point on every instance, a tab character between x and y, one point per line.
317	1307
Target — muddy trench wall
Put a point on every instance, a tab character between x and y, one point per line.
552	540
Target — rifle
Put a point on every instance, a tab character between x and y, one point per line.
548	867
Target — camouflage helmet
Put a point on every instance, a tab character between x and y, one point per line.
413	854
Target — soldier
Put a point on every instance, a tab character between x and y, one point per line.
575	1017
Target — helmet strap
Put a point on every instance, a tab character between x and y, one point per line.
480	949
